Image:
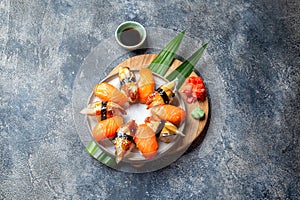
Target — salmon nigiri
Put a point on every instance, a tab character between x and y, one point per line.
145	141
145	84
108	92
107	128
169	113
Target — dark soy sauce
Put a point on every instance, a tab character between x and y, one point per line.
130	37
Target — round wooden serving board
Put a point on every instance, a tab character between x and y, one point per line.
193	127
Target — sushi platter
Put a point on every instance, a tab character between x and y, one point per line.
132	159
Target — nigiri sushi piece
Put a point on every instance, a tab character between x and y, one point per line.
162	95
107	128
128	83
108	92
164	130
145	140
145	84
169	113
124	139
103	110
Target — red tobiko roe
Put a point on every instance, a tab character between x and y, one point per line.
194	89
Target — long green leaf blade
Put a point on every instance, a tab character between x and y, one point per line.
186	68
93	149
163	60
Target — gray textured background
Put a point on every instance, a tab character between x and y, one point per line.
252	153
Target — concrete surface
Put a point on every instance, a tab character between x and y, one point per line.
251	149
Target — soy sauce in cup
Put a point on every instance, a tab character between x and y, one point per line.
130	35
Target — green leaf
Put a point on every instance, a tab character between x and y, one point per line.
186	68
163	60
93	149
